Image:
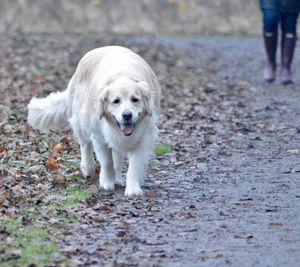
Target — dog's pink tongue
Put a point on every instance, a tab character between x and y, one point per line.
127	129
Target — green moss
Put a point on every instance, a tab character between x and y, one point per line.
38	252
74	177
11	225
58	214
29	245
162	149
31	232
76	194
42	146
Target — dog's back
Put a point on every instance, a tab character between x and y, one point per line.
54	110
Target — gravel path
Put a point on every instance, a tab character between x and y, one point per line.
228	194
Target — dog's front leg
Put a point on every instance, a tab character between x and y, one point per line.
107	174
136	172
118	159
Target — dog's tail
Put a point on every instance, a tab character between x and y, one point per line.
49	112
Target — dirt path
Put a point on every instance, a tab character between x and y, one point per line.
228	194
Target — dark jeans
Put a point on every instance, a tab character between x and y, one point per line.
272	18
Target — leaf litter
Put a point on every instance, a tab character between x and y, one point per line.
210	193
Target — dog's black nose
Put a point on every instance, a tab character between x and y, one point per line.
127	115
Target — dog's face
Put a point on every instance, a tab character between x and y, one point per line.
125	103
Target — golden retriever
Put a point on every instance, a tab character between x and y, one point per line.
112	103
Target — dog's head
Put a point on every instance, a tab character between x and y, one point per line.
125	102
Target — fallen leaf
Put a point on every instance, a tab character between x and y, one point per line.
51	164
64	140
59	147
151	194
210	255
275	225
105	209
153	242
244	236
37	78
121	234
3	149
246	199
18	153
293	151
271	208
26	127
124	222
3	195
291	171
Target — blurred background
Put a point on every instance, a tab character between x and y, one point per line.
154	17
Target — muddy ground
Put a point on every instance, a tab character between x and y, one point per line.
227	193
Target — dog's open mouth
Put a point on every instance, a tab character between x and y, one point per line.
127	128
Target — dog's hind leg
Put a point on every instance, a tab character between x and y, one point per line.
107	174
87	165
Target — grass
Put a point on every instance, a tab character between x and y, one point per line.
162	149
42	146
60	217
35	243
74	177
27	245
76	194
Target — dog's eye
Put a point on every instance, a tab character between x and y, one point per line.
116	101
134	99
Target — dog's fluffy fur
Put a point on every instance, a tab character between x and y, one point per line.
112	103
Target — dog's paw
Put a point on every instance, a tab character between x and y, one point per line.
133	191
107	184
87	170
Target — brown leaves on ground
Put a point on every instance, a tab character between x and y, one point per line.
210	255
59	148
63	145
51	164
3	149
275	225
3	195
208	122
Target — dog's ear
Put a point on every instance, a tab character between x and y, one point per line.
102	103
146	97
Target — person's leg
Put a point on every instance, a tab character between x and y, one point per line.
288	44
271	20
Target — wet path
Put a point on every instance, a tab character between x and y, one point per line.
229	192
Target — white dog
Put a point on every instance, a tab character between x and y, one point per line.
112	103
